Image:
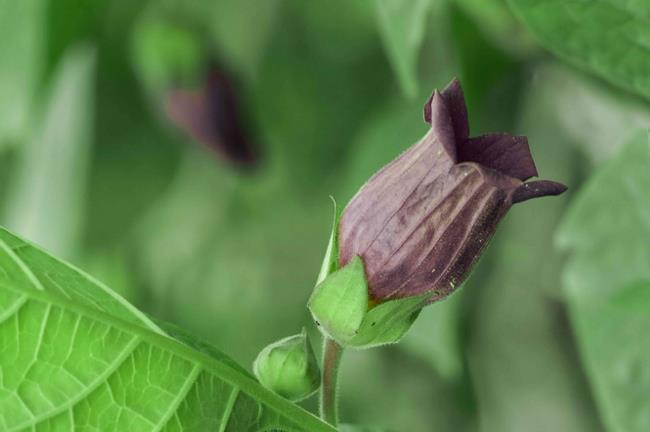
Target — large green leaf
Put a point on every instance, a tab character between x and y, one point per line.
607	283
608	37
402	24
596	117
74	354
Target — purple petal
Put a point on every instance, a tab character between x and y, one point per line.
455	101
428	242
442	125
505	153
536	189
387	193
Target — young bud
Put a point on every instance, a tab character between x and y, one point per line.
288	367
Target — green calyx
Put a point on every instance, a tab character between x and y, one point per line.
340	307
288	367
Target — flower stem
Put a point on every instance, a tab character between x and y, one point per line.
332	353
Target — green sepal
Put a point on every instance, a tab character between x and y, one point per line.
340	302
341	308
387	322
331	259
289	368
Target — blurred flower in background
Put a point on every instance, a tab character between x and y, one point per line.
210	115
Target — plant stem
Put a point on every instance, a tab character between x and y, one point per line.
332	353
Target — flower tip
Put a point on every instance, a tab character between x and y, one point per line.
453	87
427	106
537	189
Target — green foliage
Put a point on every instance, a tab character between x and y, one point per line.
240	30
21	63
356	428
518	348
45	202
165	55
495	20
435	336
606	37
316	90
607	284
402	24
76	354
597	118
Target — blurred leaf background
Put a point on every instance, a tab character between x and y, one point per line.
93	169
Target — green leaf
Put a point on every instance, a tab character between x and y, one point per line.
607	37
607	283
357	428
240	30
73	22
596	117
46	199
21	45
402	24
607	226
617	355
331	259
123	122
75	354
339	303
494	19
387	322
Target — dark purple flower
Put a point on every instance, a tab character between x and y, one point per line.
421	222
210	116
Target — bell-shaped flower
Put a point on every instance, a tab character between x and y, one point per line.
421	222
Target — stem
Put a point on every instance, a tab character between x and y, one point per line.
332	353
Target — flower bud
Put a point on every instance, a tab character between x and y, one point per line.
288	367
210	115
421	222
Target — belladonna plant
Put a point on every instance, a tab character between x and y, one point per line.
412	233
